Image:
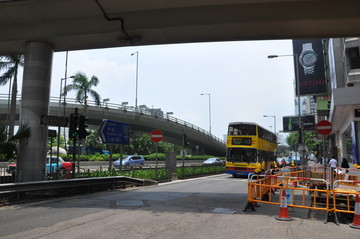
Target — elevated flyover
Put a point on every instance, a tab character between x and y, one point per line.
88	24
142	121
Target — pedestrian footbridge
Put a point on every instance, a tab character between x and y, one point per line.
141	120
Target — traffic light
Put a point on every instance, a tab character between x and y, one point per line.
73	126
82	127
185	141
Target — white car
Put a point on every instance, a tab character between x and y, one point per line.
130	161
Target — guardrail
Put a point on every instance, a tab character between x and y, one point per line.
115	106
65	187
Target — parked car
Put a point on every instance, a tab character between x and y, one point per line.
214	161
130	161
52	166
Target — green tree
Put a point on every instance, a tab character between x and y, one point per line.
61	145
10	65
8	147
93	139
309	141
83	87
141	145
292	140
165	147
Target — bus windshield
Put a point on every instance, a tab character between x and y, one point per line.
241	155
242	129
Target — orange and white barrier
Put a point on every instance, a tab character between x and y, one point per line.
356	221
283	213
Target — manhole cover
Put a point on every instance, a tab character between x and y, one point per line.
130	203
225	210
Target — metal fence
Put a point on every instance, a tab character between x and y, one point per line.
120	107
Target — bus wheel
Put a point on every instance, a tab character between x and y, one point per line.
235	175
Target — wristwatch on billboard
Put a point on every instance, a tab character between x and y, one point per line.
308	58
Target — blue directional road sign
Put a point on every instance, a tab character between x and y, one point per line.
113	132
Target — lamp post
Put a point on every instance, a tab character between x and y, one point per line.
209	110
105	100
124	104
8	111
274	121
137	74
169	113
62	93
297	79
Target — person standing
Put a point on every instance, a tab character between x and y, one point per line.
345	164
333	162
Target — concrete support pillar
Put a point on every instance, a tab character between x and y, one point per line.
34	103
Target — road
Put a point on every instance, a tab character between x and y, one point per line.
208	207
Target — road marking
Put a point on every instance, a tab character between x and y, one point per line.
224	210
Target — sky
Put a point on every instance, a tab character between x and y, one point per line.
242	82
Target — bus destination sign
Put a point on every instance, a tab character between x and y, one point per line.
241	141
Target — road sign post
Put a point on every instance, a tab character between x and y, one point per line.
156	136
113	132
324	128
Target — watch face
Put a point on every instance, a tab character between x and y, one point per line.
308	58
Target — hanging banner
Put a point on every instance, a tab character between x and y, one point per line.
291	123
310	66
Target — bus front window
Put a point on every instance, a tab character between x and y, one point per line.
241	155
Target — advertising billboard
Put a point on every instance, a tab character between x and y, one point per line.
291	123
310	66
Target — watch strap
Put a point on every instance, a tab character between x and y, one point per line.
307	47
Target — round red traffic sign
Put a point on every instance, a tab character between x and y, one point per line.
324	127
156	136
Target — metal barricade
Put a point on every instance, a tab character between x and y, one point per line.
262	189
318	192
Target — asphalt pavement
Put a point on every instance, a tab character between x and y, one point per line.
209	207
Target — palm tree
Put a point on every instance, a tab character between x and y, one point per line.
8	144
83	86
11	64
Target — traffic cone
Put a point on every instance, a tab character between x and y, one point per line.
356	221
283	213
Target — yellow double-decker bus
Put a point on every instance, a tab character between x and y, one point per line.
249	147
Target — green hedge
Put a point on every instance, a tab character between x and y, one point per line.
150	157
162	174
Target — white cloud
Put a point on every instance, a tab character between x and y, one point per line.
244	84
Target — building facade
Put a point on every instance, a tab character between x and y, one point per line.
343	74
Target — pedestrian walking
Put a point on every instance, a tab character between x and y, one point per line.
344	163
324	161
333	162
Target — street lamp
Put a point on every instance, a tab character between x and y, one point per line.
297	79
105	100
62	92
169	113
137	74
274	121
209	110
124	104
